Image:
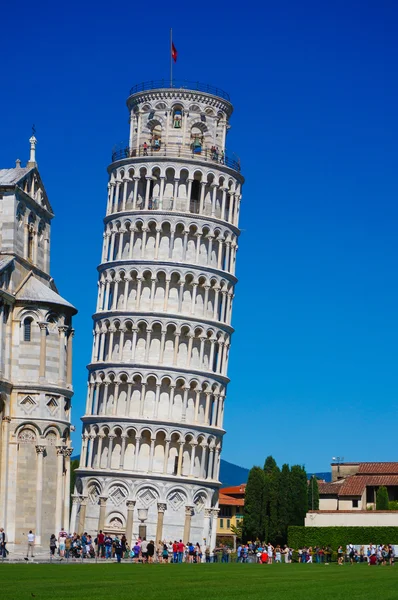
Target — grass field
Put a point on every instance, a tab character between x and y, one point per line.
194	582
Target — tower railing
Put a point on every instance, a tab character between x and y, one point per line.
177	151
179	84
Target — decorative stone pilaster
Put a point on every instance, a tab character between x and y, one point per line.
67	454
214	517
40	450
130	520
82	514
206	526
187	524
42	364
101	521
59	499
159	528
69	357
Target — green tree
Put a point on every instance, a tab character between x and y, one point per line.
253	523
298	494
313	494
271	500
237	530
283	504
382	498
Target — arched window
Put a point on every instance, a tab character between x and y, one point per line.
27	329
177	117
30	242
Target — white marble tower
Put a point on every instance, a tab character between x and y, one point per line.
35	364
153	426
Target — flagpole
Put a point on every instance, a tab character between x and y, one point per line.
171	57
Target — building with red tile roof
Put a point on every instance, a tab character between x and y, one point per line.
231	503
353	490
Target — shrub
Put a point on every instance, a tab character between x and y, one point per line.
382	498
298	537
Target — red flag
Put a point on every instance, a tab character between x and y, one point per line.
173	52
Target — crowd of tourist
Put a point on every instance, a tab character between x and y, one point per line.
104	546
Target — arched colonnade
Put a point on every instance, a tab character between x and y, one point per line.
170	242
156	397
151	451
170	188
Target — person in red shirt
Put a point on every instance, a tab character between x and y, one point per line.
101	545
180	548
175	552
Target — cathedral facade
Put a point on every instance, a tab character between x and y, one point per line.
153	424
35	364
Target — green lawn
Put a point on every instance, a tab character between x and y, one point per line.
197	582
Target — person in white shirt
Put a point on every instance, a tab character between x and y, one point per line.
31	544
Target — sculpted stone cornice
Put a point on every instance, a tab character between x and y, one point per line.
163	317
184	95
161	370
167	265
141	423
173	216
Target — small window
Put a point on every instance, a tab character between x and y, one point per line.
30	243
355	504
27	331
175	471
228	523
221	523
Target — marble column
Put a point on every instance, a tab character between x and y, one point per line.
180	456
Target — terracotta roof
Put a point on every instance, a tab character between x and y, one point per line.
355	485
229	501
235	489
328	489
378	468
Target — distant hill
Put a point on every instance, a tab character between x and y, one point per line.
327	476
231	474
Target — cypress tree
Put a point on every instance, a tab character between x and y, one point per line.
272	474
313	494
253	522
283	504
382	498
298	491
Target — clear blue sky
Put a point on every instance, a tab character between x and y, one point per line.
314	357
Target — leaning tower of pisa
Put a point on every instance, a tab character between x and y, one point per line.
153	425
